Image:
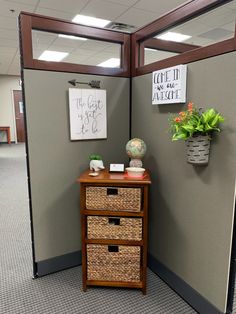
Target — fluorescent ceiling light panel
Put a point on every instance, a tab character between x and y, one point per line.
71	37
178	37
110	63
49	55
89	20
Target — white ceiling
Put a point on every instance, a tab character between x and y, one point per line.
133	12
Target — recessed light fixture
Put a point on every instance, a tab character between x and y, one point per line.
110	63
49	55
89	20
71	37
178	37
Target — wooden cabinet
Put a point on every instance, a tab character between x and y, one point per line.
114	217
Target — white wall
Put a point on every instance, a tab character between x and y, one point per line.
8	83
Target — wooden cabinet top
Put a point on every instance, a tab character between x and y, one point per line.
105	176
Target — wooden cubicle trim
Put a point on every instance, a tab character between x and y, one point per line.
225	46
163	45
180	14
176	16
166	45
27	22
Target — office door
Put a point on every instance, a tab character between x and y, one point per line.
19	114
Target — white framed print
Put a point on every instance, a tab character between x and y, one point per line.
88	116
169	85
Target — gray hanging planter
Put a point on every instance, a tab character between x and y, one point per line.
198	149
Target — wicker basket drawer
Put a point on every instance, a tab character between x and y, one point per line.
112	198
99	227
113	263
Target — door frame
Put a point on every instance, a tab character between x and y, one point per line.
14	112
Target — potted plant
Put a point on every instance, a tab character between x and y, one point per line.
96	162
195	127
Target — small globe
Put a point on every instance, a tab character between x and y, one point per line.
136	148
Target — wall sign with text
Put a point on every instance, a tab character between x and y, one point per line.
169	85
88	117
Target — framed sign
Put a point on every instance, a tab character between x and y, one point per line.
88	117
169	85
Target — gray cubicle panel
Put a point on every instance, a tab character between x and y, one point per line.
191	207
55	162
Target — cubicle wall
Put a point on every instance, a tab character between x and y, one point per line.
191	207
55	162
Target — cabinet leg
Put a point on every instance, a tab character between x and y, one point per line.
144	290
84	287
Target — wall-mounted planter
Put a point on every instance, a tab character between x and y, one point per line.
198	149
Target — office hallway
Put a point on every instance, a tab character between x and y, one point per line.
59	292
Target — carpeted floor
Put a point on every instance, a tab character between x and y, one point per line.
60	292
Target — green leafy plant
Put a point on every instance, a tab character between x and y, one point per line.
95	157
193	122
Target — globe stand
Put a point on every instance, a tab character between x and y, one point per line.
136	149
135	162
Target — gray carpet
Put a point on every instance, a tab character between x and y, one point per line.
59	292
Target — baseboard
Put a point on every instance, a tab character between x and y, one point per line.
58	263
191	296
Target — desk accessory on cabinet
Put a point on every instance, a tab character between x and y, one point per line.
117	168
136	149
96	163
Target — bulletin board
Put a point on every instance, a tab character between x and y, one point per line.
88	116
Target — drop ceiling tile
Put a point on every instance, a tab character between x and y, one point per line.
8	22
15	72
5	42
82	52
95	60
124	2
217	34
104	9
153	56
29	2
76	59
95	45
217	18
10	34
54	47
55	13
3	68
67	42
113	49
229	26
71	6
43	38
137	17
231	5
8	51
199	41
37	53
14	69
107	55
160	6
6	6
191	28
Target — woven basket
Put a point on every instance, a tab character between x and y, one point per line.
114	228
198	149
109	198
113	263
